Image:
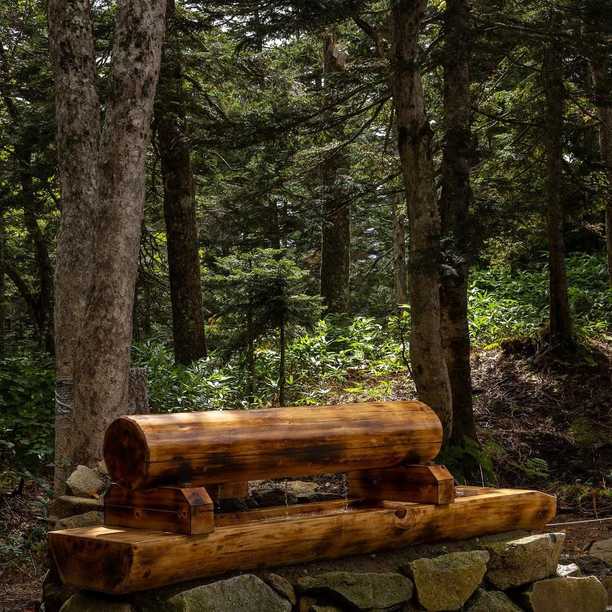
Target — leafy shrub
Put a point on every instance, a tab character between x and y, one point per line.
202	385
26	411
505	302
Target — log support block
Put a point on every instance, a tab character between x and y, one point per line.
425	484
176	509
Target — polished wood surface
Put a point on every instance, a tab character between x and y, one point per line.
121	560
240	445
427	484
180	510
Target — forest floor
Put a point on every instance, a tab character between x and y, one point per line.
544	422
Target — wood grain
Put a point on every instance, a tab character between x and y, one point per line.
426	484
179	510
124	560
228	446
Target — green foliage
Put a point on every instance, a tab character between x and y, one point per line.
468	462
507	302
356	358
26	411
203	385
355	361
262	288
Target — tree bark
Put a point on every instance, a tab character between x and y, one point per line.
415	149
179	203
455	216
602	83
102	181
336	210
400	272
560	322
281	363
77	113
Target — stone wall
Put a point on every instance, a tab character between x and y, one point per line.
510	573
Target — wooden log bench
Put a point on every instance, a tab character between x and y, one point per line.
160	525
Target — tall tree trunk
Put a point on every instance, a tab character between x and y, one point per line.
602	83
415	150
179	203
454	214
281	364
252	374
102	181
400	272
77	113
336	210
560	323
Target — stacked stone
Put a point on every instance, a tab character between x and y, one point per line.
83	506
514	575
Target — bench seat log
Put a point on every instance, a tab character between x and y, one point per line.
426	484
122	560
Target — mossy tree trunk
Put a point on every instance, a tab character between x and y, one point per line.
560	322
336	209
415	149
455	216
179	202
101	175
602	82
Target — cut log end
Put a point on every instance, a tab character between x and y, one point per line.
126	452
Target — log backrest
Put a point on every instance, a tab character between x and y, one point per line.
200	448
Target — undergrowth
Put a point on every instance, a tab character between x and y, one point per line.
362	359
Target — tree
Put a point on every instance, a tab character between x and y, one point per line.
179	202
336	209
598	36
455	215
560	322
400	274
263	290
414	137
101	175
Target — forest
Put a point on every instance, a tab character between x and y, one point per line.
239	205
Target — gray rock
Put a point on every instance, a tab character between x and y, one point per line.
69	505
584	594
85	602
87	519
602	550
491	601
519	562
306	604
303	490
569	570
592	566
607	582
282	586
448	581
361	591
246	593
274	496
85	482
